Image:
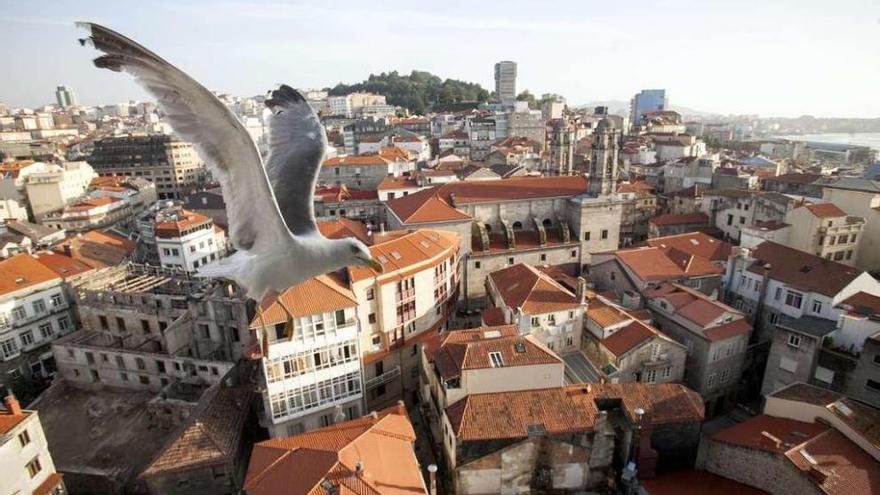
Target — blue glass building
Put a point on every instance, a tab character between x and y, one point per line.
647	100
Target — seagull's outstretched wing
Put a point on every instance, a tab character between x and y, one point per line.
196	115
297	143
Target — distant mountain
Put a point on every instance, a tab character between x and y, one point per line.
620	107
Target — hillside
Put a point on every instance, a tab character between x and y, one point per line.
416	91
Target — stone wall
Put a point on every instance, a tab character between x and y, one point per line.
757	468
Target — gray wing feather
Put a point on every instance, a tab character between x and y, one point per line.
297	144
196	115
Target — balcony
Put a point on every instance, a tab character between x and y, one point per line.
382	379
406	294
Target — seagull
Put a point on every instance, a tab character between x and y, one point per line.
269	205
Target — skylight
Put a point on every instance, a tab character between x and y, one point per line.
496	359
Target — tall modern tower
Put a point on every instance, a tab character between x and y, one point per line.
647	100
505	82
65	97
603	161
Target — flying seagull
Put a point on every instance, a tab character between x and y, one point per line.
270	209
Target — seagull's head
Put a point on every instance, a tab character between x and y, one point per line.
361	254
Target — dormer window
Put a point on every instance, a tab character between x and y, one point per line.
496	359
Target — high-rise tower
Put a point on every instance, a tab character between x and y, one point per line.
65	97
603	161
505	82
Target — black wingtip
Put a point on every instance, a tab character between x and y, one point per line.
284	95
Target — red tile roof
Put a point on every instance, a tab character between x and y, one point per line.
50	483
298	465
22	271
707	313
342	227
628	338
392	183
424	207
802	270
469	350
652	264
825	210
769	433
321	294
492	317
63	266
211	437
98	249
696	483
694	243
175	227
9	421
682	219
863	303
847	468
522	286
360	160
568	409
403	253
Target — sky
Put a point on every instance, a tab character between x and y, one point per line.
767	57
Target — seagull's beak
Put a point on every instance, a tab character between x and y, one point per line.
375	265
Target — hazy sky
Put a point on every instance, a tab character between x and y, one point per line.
770	57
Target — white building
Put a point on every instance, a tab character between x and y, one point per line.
188	240
56	185
26	466
311	364
33	312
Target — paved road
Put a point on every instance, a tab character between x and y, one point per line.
578	369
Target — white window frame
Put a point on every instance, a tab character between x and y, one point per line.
496	359
794	340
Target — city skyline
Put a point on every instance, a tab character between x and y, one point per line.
766	60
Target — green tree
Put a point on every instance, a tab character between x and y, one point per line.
526	95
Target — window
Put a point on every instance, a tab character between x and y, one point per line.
33	467
573	254
778	295
729	219
872	385
144	380
19	313
103	321
39	306
371	294
496	359
123	376
649	376
340	317
849	254
794	340
710	381
831	240
24	438
842	239
46	330
476	265
838	256
27	338
793	299
725	375
742	220
535	321
586	236
371	318
57	300
140	363
544	256
852	238
774	318
604	234
120	324
510	260
817	306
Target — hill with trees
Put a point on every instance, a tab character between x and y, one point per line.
416	91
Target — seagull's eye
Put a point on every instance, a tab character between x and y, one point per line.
355	250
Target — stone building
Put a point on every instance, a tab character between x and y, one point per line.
510	442
624	347
561	141
716	337
671	224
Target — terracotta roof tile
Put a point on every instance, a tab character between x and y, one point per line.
696	483
424	207
402	253
522	286
604	314
681	219
98	249
360	160
802	270
50	483
22	271
628	338
694	243
317	295
63	266
469	349
769	433
391	183
175	227
9	421
298	465
717	320
342	227
825	210
863	303
653	264
848	468
508	415
212	436
492	316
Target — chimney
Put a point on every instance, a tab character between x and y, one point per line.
401	408
13	408
67	251
775	441
581	292
646	456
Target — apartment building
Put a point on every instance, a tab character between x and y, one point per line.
357	172
858	197
716	337
26	465
539	306
57	185
114	204
310	357
173	166
405	306
35	311
731	210
822	229
624	347
187	240
672	224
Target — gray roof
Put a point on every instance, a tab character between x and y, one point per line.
34	231
808	325
851	183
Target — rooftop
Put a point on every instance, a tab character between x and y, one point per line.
406	251
825	210
802	270
23	271
98	249
696	483
522	286
469	350
321	294
847	469
568	409
769	433
685	218
361	160
717	320
366	456
694	243
342	227
653	264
